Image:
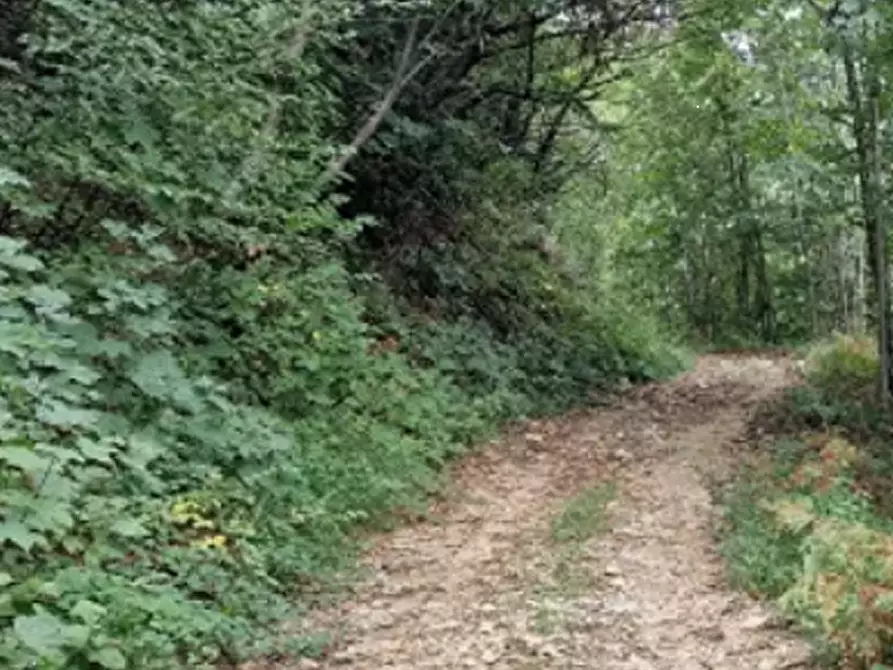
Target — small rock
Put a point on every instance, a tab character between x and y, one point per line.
713	634
549	651
729	606
308	664
612	570
623	455
531	643
801	658
491	656
759	621
343	658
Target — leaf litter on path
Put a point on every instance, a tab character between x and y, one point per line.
627	582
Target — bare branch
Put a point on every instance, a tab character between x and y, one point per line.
402	77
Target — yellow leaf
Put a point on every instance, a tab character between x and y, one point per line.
795	515
211	542
830	591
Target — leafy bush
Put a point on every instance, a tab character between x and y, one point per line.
199	398
813	538
186	444
844	367
503	274
175	463
138	497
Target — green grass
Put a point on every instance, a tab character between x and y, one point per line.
584	515
760	558
581	518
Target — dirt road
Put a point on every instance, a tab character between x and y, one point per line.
583	542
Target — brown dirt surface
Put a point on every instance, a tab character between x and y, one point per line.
531	564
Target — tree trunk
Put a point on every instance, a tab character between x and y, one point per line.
765	311
866	120
880	236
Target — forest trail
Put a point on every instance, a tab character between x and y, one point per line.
583	542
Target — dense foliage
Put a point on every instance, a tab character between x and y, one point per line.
750	172
811	521
265	267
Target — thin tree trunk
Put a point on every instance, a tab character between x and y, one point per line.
802	226
880	233
763	298
865	129
859	297
744	254
843	267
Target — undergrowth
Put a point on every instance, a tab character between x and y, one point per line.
801	530
208	383
219	358
810	521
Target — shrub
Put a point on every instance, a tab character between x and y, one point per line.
844	367
154	519
813	539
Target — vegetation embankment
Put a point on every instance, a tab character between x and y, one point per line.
242	315
809	523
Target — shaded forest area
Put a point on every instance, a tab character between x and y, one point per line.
268	266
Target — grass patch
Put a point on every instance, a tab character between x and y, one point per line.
760	559
583	516
581	519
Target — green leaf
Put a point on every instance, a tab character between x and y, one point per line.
110	658
19	535
12	66
143	449
24	459
42	633
5	579
48	299
50	590
96	451
60	453
11	254
81	374
61	415
159	376
11	177
22	262
88	611
129	528
77	636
